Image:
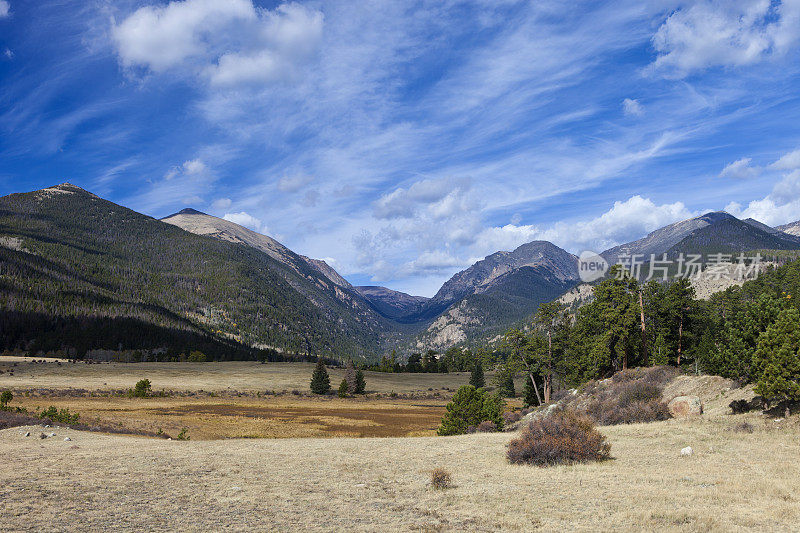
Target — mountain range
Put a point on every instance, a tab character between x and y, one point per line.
78	272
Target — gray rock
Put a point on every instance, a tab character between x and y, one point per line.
686	452
67	439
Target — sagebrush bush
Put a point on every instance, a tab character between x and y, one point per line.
487	426
441	479
629	397
563	437
510	417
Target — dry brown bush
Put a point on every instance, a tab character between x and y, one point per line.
563	437
441	479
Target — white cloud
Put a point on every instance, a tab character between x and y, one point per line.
221	203
244	219
724	33
229	43
8	53
441	197
741	169
788	161
5	9
632	108
294	182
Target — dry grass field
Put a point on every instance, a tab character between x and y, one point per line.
734	482
219	377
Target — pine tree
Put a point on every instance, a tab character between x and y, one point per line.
529	398
476	378
361	383
659	354
343	389
320	381
777	359
507	386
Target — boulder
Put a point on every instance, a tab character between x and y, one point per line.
685	452
684	406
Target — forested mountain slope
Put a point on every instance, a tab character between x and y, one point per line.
70	256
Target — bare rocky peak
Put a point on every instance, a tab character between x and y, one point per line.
556	263
792	228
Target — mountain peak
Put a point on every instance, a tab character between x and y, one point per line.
186	211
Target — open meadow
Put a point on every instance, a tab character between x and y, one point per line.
735	480
231	399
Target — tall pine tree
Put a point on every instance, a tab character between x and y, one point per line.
320	380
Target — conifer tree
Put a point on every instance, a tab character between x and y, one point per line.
476	377
529	398
777	359
361	383
320	381
343	389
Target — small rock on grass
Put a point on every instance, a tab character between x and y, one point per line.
685	452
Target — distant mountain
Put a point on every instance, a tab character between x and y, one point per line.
553	265
496	292
392	304
792	228
662	239
731	235
68	256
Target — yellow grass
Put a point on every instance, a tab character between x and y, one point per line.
734	482
240	376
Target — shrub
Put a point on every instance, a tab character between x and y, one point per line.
320	381
470	407
510	417
197	357
631	396
63	416
5	399
441	479
563	437
487	426
744	427
141	389
183	436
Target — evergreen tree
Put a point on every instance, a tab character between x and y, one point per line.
476	377
361	383
659	354
320	381
529	398
470	407
777	359
343	389
506	388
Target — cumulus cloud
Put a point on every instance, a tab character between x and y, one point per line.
244	219
229	43
5	8
782	204
788	161
733	33
741	169
632	108
626	221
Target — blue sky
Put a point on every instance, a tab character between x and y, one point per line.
402	141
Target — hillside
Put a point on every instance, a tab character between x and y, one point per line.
73	259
